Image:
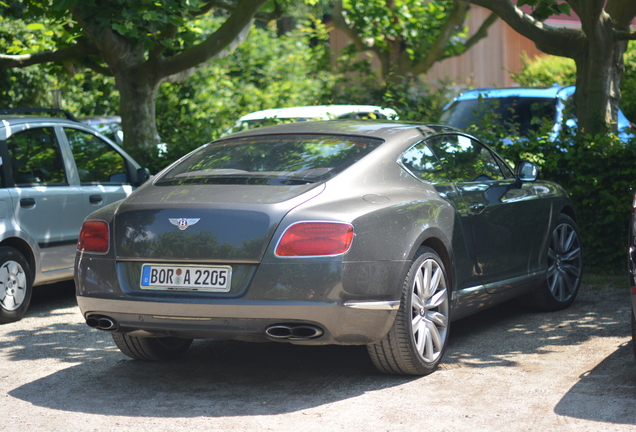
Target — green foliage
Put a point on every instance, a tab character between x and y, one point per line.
545	71
628	83
355	81
265	71
414	24
542	9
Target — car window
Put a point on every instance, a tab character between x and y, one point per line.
464	159
519	115
270	160
96	160
36	158
420	161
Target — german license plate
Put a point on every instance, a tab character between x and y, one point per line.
186	278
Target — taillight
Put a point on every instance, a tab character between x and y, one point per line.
305	239
93	237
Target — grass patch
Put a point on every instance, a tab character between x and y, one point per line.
597	281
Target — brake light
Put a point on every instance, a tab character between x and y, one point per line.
94	237
305	239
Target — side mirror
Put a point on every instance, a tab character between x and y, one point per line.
526	172
143	174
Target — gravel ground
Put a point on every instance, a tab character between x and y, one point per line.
506	369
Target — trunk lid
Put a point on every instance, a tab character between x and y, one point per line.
220	223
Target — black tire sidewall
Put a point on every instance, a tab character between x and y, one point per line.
11	254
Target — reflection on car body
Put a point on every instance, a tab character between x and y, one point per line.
340	232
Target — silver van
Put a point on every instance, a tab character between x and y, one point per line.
53	173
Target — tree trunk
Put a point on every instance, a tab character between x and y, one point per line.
599	66
138	94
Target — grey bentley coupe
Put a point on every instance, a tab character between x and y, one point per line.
373	233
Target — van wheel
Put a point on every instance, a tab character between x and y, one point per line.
16	285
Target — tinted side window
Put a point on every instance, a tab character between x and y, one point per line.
96	160
464	159
420	161
36	158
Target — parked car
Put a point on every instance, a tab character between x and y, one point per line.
375	233
109	125
275	116
521	110
54	173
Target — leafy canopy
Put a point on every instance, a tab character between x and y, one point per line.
412	23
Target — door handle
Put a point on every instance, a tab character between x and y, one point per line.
27	202
476	208
95	199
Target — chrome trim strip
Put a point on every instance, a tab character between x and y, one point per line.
374	305
177	261
493	285
180	318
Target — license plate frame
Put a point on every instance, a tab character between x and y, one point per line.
186	277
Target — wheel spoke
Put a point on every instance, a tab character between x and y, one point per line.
9	302
417	302
19	295
438	319
437	299
572	270
572	255
434	282
427	274
435	337
419	284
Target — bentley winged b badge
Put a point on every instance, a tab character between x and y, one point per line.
183	223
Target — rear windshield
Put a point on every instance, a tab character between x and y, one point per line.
269	160
519	114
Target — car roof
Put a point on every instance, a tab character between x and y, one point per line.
383	129
531	92
323	112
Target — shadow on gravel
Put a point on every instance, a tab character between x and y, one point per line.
213	379
606	393
231	378
489	338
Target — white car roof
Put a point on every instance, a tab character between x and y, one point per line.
322	112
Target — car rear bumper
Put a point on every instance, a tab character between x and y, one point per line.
351	323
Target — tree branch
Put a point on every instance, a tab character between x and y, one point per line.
436	52
168	33
625	35
231	7
482	32
97	67
233	31
622	12
340	22
565	41
24	60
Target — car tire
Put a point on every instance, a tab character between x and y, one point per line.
16	285
151	349
565	269
416	342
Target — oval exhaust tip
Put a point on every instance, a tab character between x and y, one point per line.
305	332
279	331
